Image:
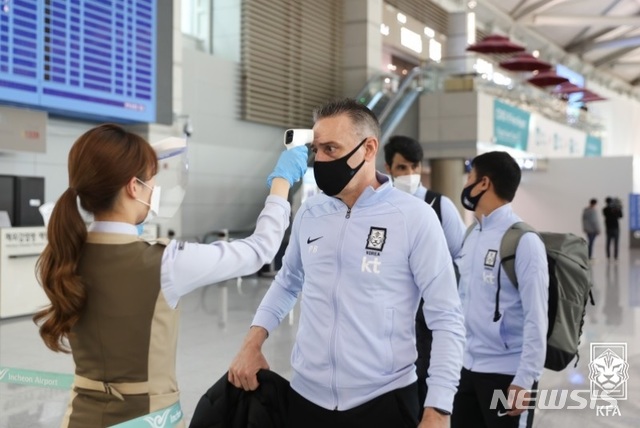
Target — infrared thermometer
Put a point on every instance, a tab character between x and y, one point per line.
297	137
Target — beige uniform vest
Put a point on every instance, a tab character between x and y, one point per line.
124	344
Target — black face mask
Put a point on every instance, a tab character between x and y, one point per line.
333	176
471	202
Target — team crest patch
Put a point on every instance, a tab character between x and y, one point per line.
377	236
490	258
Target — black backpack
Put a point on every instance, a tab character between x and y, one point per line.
433	199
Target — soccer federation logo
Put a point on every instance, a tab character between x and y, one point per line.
609	370
377	237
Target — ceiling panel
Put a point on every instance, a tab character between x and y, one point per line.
614	47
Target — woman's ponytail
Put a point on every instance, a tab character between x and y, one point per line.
56	271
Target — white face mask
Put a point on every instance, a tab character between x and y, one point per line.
407	183
154	204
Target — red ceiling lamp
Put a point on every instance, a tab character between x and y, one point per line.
547	78
591	96
495	44
524	62
567	88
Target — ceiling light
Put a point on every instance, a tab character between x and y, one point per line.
402	18
429	32
411	40
435	50
471	28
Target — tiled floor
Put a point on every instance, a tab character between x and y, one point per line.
206	349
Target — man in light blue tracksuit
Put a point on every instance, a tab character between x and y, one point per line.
506	331
361	256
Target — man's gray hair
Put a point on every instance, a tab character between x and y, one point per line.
363	119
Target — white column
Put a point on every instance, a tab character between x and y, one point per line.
455	56
448	178
362	43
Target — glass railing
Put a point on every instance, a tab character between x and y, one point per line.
378	91
390	96
536	100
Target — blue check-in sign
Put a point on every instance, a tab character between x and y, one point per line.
634	211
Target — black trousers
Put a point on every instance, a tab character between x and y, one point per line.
395	409
471	406
613	237
590	238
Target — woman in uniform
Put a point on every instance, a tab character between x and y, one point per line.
114	297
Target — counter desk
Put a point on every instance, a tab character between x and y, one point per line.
20	292
20	247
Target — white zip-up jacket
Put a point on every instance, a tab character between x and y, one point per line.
362	272
516	343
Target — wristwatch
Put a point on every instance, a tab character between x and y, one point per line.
442	411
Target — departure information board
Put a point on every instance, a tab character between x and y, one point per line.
84	58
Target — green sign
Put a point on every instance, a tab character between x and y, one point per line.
510	125
593	147
169	417
35	378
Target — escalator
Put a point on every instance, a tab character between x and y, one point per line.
390	98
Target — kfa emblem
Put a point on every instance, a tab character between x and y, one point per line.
609	370
490	258
377	236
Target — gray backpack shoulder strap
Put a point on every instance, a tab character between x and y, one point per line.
468	232
508	247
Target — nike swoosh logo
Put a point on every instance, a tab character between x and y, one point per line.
500	414
309	240
432	202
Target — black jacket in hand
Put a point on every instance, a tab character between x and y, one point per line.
225	406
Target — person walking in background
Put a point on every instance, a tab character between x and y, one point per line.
590	224
114	297
612	213
361	256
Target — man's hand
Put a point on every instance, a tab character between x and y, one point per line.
520	397
432	419
244	367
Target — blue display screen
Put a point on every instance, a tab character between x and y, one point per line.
81	58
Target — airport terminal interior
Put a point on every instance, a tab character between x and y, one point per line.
554	83
211	335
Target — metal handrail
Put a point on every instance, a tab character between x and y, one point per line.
406	82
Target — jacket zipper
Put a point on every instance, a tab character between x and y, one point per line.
334	382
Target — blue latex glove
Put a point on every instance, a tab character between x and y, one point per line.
291	165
